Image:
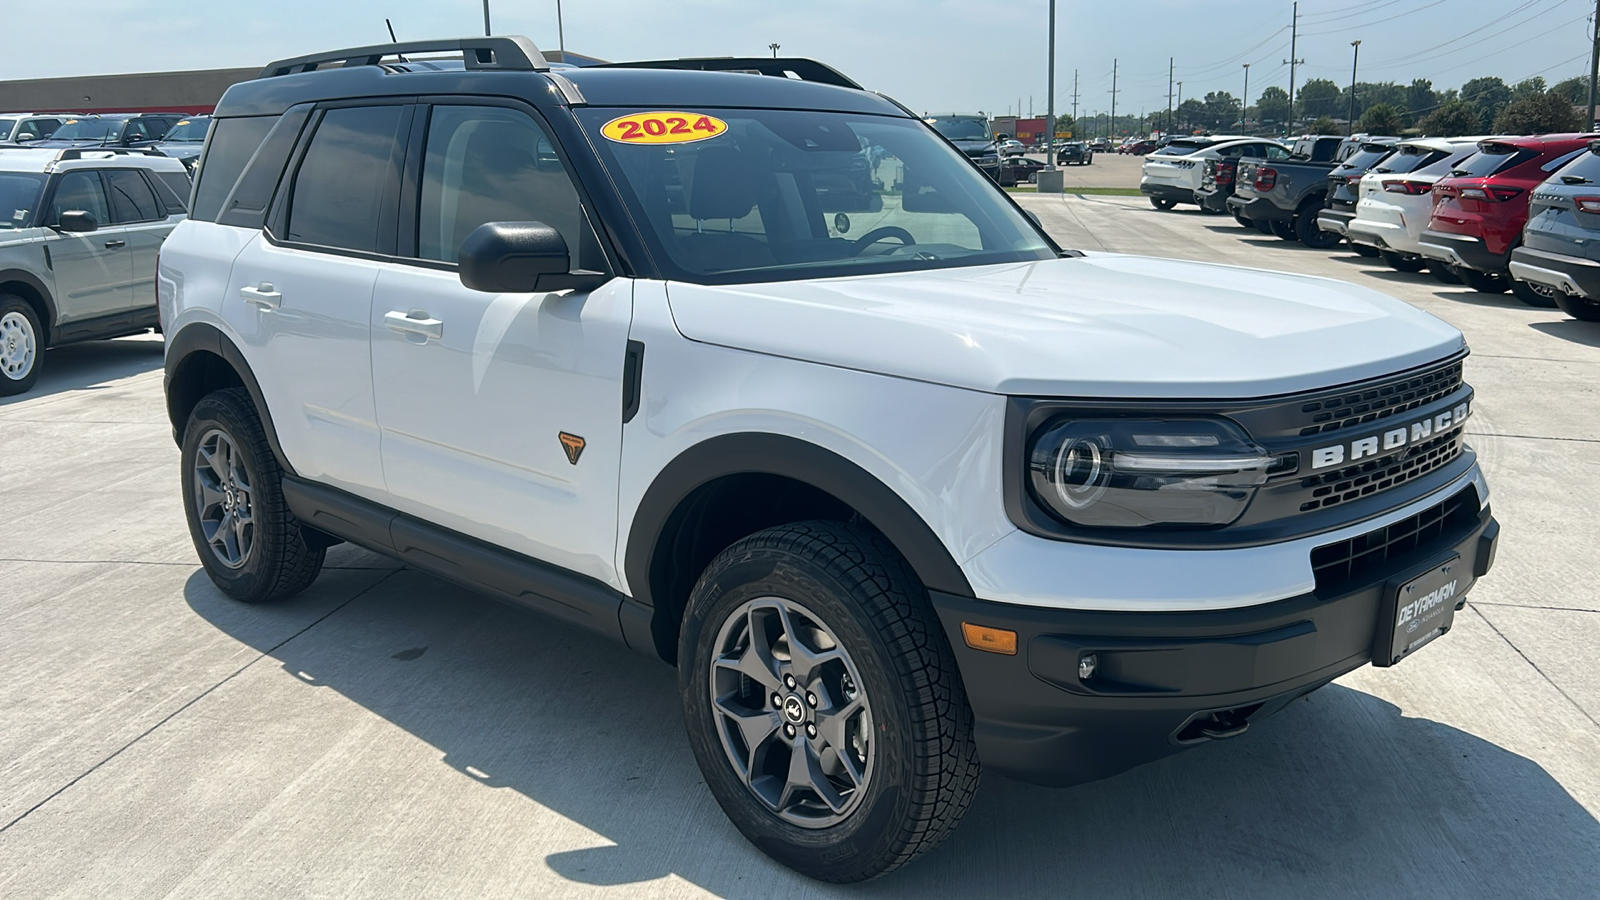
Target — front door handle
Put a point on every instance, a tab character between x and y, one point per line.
416	322
112	245
263	296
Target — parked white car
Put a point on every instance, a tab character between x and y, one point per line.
1172	173
1396	201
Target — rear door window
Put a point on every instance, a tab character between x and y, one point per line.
230	146
347	179
79	190
132	200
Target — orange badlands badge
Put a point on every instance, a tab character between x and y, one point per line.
663	128
573	445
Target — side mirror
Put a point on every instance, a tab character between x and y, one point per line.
27	136
76	221
520	258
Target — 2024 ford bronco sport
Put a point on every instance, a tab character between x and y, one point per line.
900	491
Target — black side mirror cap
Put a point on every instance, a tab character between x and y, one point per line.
77	221
520	258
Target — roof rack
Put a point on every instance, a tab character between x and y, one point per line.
804	69
513	53
71	153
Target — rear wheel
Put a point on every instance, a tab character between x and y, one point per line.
1536	295
1243	222
1310	233
1483	282
1400	262
1162	203
1367	250
1444	272
1284	230
20	345
823	702
1262	226
1578	307
248	541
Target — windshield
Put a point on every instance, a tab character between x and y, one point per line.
89	130
188	131
961	129
19	197
5	128
778	195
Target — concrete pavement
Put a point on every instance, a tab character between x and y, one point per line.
387	735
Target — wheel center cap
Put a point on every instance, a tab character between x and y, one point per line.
794	709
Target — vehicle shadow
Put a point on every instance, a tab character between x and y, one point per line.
1569	329
1338	796
92	365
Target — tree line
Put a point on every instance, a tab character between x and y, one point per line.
1480	106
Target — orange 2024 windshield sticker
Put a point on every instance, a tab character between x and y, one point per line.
663	128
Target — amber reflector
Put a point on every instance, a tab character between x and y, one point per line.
992	640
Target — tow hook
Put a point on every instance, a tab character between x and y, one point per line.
1218	724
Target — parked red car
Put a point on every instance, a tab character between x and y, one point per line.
1480	208
1139	148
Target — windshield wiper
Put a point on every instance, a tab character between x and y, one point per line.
1574	179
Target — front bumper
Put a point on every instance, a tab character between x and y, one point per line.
1258	209
1460	250
1165	681
1572	274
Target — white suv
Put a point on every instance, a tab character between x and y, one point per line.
764	378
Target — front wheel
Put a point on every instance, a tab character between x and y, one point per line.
250	544
1581	308
20	345
1535	295
1283	230
1162	203
1365	250
1444	272
1310	233
1402	263
1483	282
823	702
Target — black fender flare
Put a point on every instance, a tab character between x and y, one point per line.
33	282
774	454
202	337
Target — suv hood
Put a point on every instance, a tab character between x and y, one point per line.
1106	325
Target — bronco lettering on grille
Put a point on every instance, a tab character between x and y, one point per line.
1390	440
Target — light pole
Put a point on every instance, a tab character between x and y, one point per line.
1354	58
486	31
1180	97
1244	104
774	49
561	33
1049	179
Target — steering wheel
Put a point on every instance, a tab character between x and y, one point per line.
878	234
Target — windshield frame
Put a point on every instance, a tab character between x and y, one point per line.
589	121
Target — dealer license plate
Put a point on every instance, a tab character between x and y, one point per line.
1423	609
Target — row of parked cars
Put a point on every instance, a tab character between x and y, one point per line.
172	134
1493	212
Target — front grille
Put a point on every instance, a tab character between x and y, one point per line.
1354	482
1369	403
1372	555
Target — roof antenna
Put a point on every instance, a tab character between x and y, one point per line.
392	38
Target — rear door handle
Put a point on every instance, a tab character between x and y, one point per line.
112	245
263	296
415	322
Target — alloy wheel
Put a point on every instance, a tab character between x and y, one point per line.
791	711
222	499
19	347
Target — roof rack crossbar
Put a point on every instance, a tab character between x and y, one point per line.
78	152
805	69
511	53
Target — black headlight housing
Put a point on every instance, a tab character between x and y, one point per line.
1199	472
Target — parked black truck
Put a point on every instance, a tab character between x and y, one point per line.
1289	194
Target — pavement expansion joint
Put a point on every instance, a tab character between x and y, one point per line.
192	701
1534	437
1478	608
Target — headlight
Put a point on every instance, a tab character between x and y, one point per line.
1130	473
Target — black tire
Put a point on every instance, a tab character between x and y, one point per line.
1243	222
1262	226
1162	203
1402	263
21	345
1535	295
1367	250
278	562
1483	282
1283	230
1444	272
1310	233
1578	307
924	769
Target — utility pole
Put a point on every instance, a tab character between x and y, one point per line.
1594	59
1049	179
1180	98
1293	60
1354	58
1113	97
1169	95
1074	98
486	31
1244	103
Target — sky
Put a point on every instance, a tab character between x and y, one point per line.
933	55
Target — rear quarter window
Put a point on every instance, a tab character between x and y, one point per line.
228	148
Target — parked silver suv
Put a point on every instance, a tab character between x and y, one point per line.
79	233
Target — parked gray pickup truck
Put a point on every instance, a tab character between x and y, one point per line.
1288	194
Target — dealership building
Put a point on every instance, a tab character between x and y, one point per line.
186	92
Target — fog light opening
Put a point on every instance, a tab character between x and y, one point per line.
1087	663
